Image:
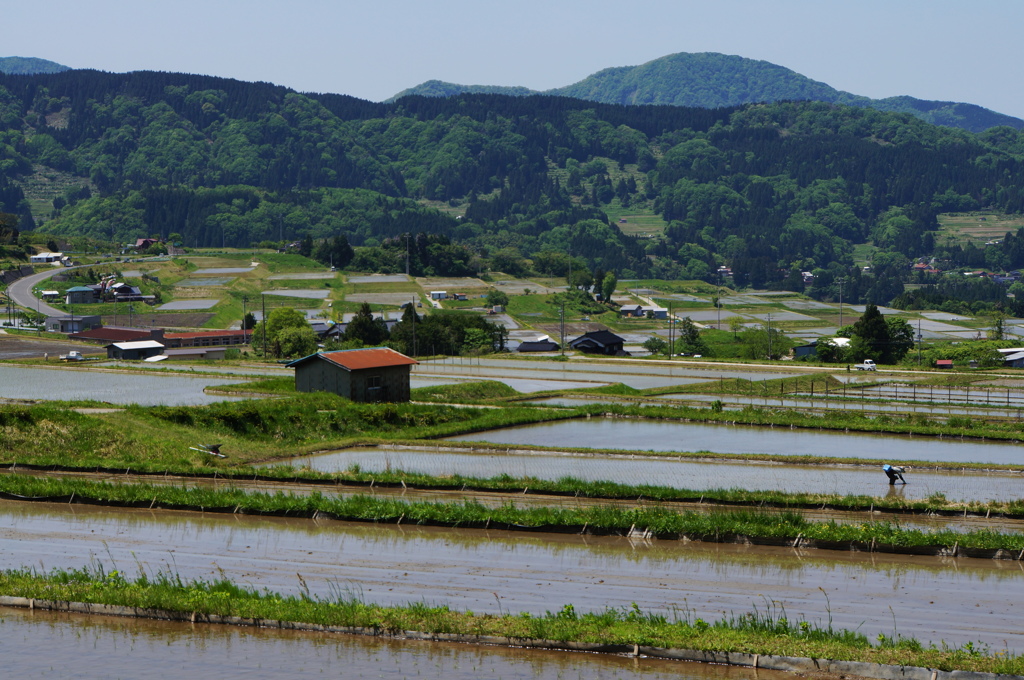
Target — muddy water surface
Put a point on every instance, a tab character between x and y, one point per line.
681	474
477	570
54	645
650	435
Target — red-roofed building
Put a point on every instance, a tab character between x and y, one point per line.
109	334
371	374
207	338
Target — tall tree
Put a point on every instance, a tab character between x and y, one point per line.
366	328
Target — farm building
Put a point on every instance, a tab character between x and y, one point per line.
598	342
139	349
71	323
544	345
370	375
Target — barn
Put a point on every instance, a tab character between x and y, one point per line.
371	374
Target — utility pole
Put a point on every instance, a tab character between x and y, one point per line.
263	298
561	326
407	254
841	281
245	299
769	336
671	332
919	338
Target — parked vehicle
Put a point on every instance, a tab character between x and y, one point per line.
73	355
866	365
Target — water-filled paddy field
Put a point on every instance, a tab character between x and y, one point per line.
47	644
18	382
968	485
652	435
391	564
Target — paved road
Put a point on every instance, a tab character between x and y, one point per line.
21	292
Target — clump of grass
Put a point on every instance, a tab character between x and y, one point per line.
477	391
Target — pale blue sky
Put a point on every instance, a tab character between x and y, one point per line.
932	49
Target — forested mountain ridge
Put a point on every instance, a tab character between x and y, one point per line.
30	65
767	189
713	80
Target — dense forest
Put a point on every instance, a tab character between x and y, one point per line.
515	183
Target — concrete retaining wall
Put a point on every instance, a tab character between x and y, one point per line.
777	663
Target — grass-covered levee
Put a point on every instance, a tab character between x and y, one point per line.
161	438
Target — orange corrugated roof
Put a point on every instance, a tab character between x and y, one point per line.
204	334
374	357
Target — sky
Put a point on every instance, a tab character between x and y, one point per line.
931	49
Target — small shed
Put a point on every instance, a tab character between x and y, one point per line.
438	295
134	351
371	374
944	363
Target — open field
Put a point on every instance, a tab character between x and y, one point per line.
977	227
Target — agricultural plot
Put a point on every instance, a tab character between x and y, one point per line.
379	278
393	299
179	305
302	276
203	283
306	293
224	270
977	227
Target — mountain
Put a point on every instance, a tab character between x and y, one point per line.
508	182
713	80
30	66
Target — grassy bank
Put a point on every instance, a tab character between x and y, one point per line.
762	631
158	438
772	527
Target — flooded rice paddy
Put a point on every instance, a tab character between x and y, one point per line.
93	647
634	374
650	435
150	389
467	569
968	485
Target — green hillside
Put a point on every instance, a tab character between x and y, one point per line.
713	80
514	184
29	66
439	88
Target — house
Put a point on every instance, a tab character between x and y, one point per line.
599	342
80	295
43	258
545	345
1015	360
143	243
368	375
134	351
811	348
640	311
72	324
460	296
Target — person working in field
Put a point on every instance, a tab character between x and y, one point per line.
893	472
